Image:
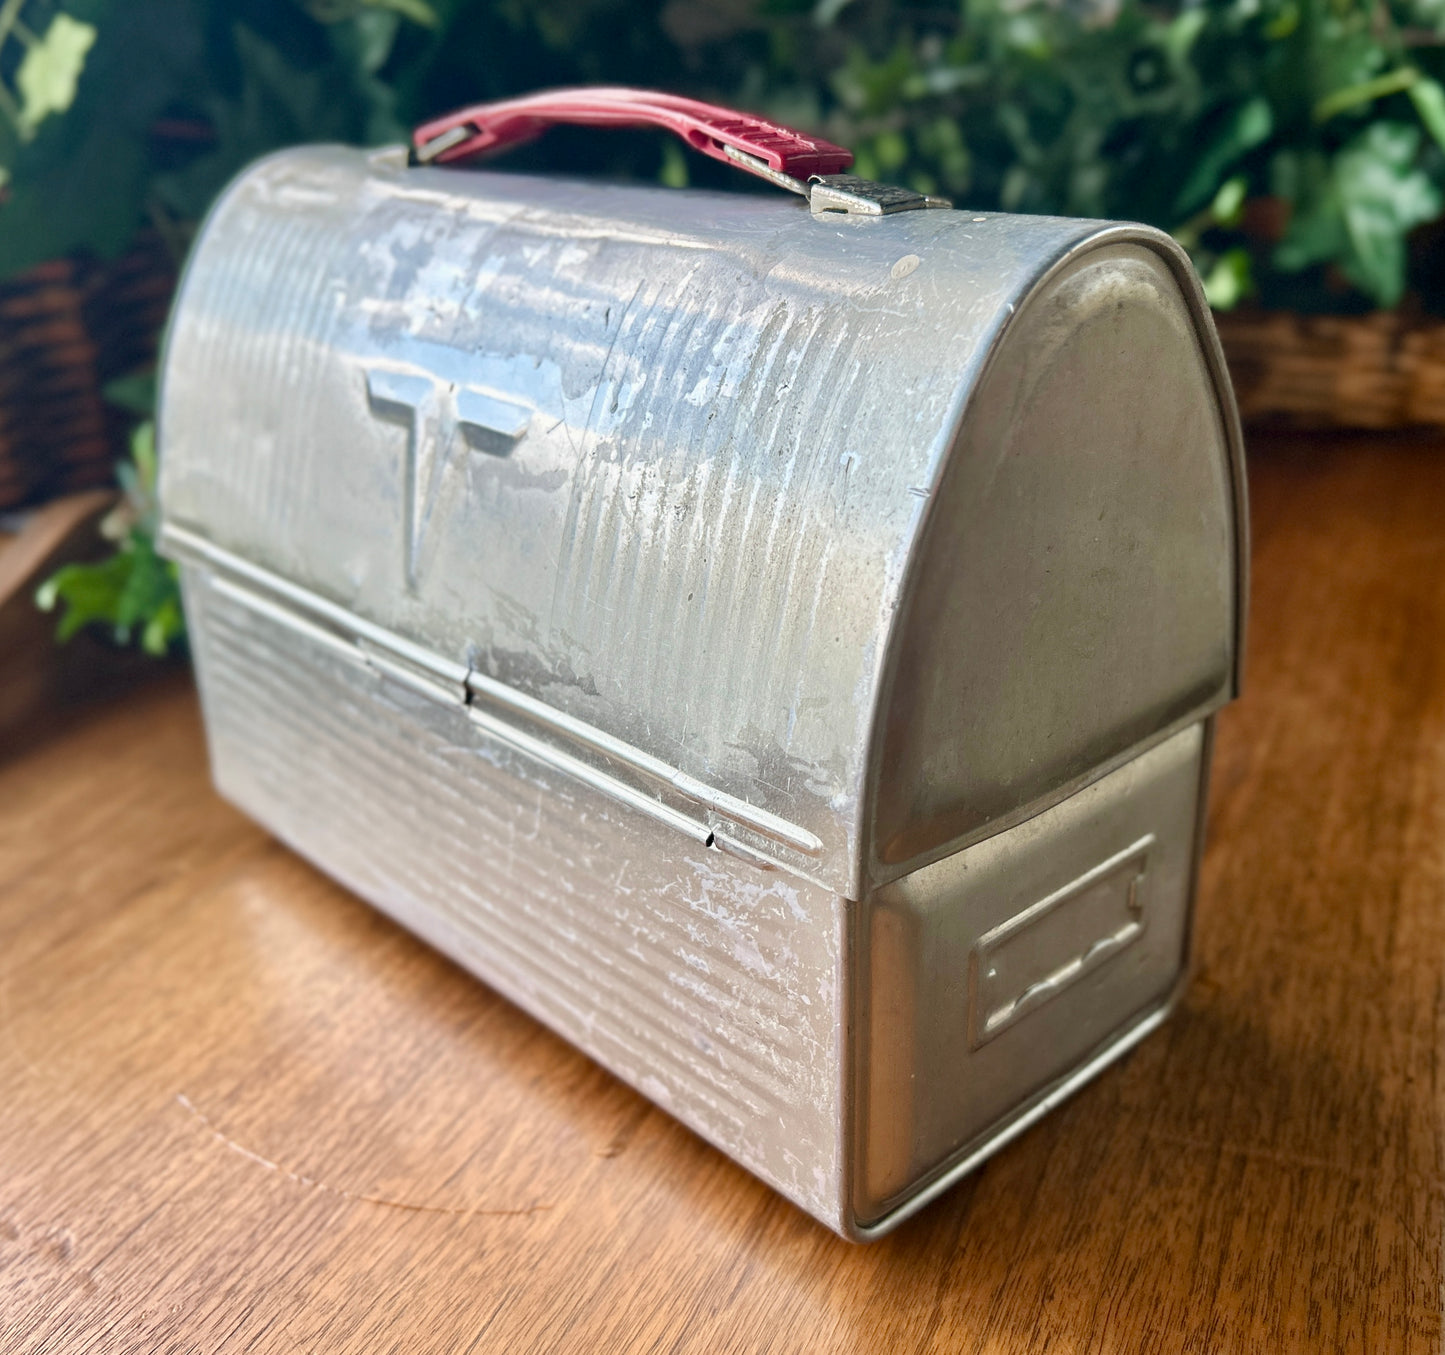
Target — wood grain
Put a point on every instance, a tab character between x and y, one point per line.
243	1112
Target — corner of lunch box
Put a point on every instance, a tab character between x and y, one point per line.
910	965
994	342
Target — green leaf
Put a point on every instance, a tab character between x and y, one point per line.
890	150
1182	33
1228	204
1367	91
1358	212
135	393
80	183
1339	55
50	70
143	454
674	165
279	104
138	480
1383	197
376	32
164	629
418	11
133	590
1229	281
149	585
1316	230
826	11
1248	126
1429	100
1427	14
1284	23
90	199
90	592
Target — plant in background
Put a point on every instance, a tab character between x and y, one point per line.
1291	145
135	592
118	116
121	114
1295	147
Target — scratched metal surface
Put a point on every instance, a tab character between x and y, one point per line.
672	450
719	996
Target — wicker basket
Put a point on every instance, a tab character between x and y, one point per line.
67	327
1372	371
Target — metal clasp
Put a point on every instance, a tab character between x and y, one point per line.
863	197
847	193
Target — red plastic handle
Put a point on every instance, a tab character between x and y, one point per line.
711	130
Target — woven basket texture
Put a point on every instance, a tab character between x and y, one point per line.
1385	370
67	327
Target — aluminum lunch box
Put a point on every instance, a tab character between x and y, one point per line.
774	639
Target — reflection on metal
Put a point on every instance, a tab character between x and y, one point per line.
720	625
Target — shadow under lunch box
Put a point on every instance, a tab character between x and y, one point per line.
773	639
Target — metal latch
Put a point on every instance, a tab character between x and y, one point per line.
847	193
863	197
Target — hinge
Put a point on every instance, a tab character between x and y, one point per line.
423	678
541	731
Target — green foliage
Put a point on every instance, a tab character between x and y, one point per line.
115	114
1292	145
49	71
1330	112
1356	207
135	592
127	112
132	591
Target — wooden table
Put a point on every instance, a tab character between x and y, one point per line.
241	1111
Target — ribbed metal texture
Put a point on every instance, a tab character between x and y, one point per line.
713	987
736	415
